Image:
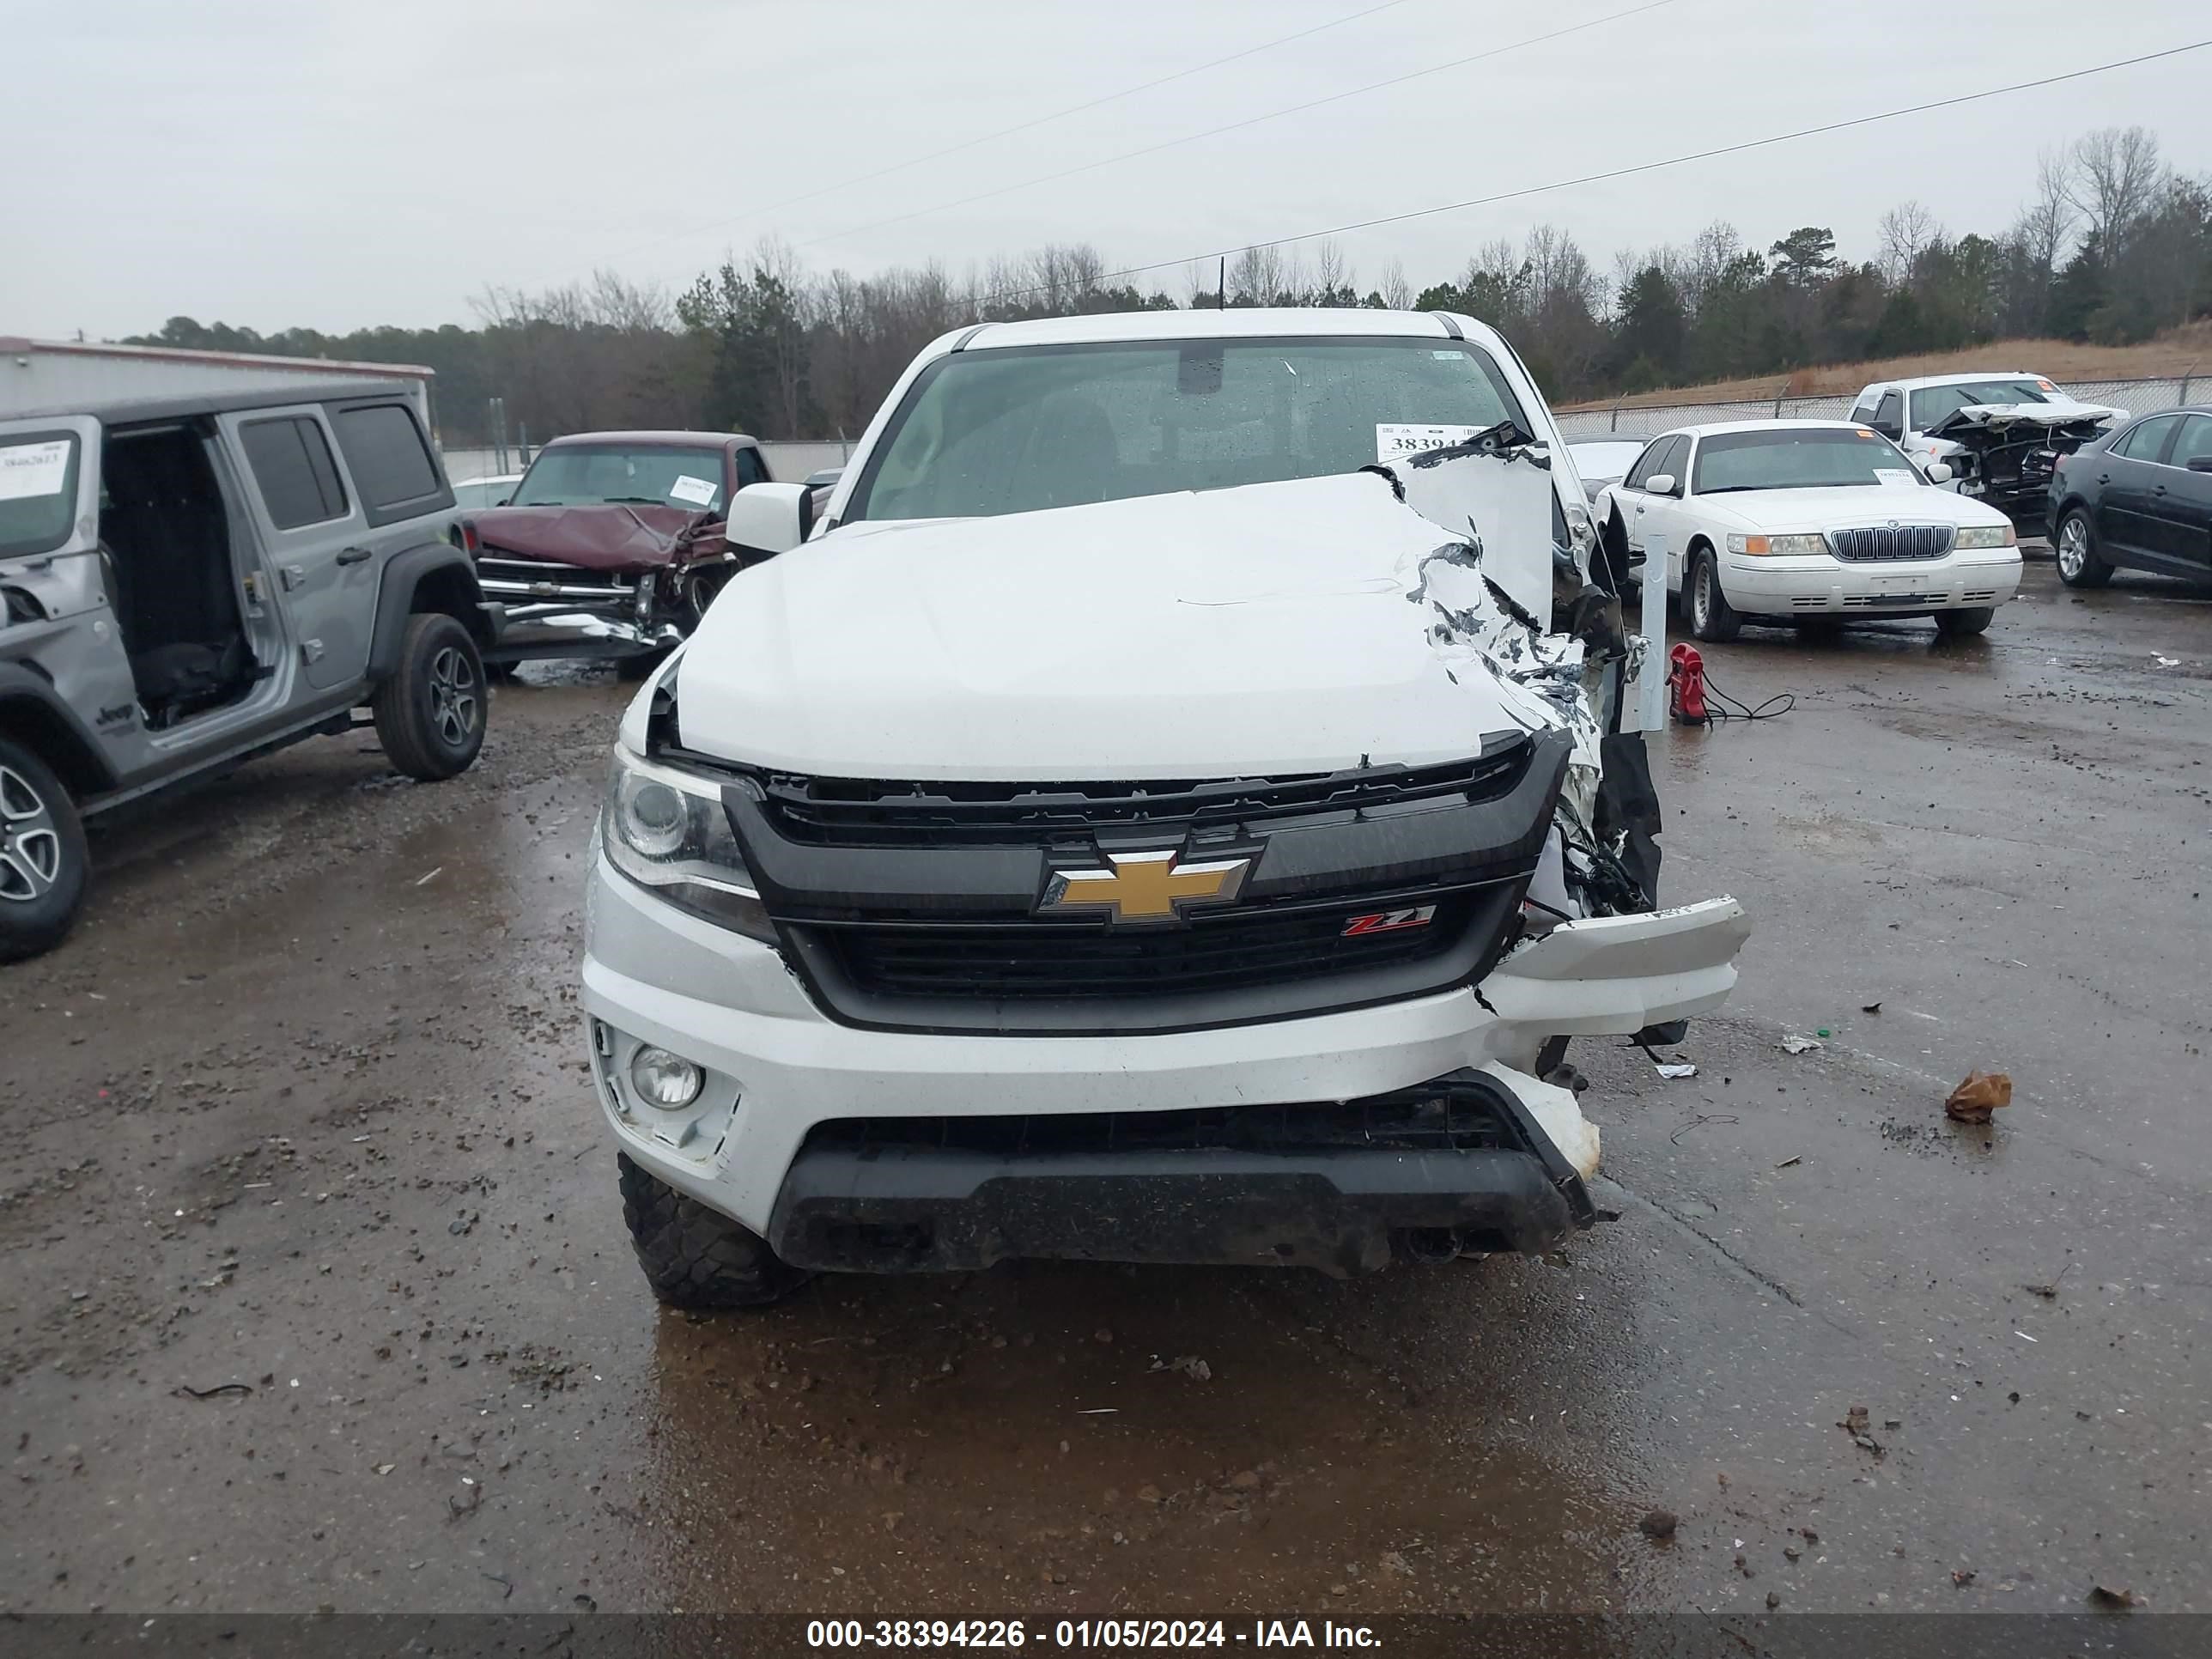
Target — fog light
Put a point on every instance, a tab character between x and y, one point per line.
665	1079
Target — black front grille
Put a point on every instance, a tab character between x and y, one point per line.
1878	543
1436	1118
1032	961
864	812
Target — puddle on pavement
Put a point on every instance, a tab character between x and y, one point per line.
1027	1437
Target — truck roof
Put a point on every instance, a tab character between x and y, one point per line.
689	440
1243	322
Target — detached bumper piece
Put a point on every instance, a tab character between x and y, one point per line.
1345	1187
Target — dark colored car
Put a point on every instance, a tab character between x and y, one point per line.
611	545
2142	500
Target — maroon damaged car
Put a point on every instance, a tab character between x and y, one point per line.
612	546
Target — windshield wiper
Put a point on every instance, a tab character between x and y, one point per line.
629	501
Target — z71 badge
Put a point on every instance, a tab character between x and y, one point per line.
1390	922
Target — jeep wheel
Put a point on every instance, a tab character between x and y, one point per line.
694	1258
44	863
430	713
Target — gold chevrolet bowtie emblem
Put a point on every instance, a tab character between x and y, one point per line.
1144	886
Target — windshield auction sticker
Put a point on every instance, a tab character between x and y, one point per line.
697	491
28	470
1395	442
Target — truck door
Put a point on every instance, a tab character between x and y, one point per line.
401	494
314	528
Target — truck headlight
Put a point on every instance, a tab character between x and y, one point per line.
666	829
1778	546
1988	535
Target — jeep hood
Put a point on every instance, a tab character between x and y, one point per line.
1273	628
615	537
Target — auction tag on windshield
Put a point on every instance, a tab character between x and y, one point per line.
1394	443
697	491
27	470
1895	475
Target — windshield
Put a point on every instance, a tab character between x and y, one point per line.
656	474
983	433
37	492
1799	458
1933	406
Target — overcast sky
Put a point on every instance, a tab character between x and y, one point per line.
336	163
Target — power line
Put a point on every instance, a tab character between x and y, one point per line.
1023	126
1238	126
1628	172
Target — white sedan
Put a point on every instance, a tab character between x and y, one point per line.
1809	522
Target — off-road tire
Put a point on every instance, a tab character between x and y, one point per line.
44	863
430	715
1963	625
1712	617
694	1258
2080	563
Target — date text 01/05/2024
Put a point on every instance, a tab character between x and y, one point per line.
1086	1633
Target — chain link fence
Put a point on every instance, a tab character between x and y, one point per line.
2135	397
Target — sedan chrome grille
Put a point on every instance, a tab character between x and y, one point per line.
1877	544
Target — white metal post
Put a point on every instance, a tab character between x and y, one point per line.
1652	686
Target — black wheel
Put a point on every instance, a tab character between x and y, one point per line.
694	1258
695	589
1962	624
44	863
2080	563
430	715
1713	618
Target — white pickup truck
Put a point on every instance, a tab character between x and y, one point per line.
2000	432
1172	807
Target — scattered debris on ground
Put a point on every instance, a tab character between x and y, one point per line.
1794	1043
1659	1524
1189	1364
2113	1600
1859	1426
1981	1094
1677	1069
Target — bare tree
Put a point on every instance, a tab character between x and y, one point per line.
1397	293
2117	176
1333	275
1908	230
1264	274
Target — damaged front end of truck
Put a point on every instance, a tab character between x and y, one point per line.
2005	453
602	581
1210	877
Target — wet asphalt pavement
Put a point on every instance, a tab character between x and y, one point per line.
297	1119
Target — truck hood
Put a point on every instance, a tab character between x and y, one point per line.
615	537
1975	419
1275	628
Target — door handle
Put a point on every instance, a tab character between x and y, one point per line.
355	555
2103	477
2160	490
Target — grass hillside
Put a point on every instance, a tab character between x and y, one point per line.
2177	351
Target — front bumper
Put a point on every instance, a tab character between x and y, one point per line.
778	1069
1769	586
1342	1209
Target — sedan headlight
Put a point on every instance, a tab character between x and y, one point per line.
1988	535
666	829
1779	546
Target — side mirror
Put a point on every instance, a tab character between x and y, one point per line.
503	500
1660	484
768	517
1938	472
2200	463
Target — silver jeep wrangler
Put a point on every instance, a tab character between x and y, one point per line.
191	582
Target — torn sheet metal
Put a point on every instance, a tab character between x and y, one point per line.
612	536
2000	416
